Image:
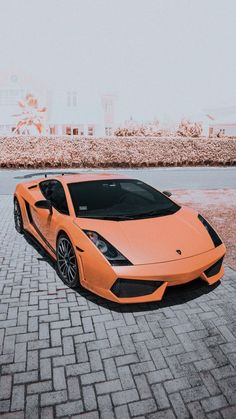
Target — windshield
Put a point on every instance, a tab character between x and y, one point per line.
119	199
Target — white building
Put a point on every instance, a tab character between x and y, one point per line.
68	113
221	121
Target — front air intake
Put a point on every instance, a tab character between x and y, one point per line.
214	269
125	288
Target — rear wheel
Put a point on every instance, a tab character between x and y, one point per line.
18	217
66	262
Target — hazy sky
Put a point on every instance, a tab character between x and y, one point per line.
163	58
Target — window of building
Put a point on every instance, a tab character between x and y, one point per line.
52	130
211	131
90	130
81	129
75	131
9	97
68	130
108	131
72	99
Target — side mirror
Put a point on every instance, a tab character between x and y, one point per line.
167	193
44	204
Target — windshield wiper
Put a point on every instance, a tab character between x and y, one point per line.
108	217
154	213
120	217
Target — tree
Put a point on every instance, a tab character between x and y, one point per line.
31	116
189	129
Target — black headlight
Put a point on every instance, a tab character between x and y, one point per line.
110	252
214	236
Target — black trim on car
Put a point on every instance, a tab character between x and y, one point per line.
27	206
31	220
213	234
214	269
79	249
43	238
126	288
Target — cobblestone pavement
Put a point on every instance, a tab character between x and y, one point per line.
66	353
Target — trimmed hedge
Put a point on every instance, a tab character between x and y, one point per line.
29	151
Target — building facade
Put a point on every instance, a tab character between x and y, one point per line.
67	112
221	121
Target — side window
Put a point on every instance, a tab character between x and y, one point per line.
54	192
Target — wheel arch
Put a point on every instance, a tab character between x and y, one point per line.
62	231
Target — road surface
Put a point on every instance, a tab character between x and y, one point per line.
160	178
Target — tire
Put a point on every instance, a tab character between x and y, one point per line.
66	262
18	217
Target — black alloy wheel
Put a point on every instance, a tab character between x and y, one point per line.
66	262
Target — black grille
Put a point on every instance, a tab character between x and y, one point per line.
214	269
28	212
124	288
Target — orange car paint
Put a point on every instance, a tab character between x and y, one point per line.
132	238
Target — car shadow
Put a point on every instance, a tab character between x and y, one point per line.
174	295
43	255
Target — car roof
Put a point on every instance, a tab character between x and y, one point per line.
83	177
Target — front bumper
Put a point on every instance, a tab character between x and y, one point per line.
165	274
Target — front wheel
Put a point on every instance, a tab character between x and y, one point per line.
66	262
18	217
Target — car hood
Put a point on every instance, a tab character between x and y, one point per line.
153	240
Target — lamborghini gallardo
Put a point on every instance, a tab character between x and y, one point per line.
117	236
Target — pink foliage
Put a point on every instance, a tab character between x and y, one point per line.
189	129
42	151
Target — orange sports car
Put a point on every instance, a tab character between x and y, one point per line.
118	237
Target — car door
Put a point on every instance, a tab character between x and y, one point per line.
45	222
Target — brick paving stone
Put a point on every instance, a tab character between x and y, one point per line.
5	386
108	387
160	395
105	407
143	386
214	403
125	396
59	379
179	406
73	388
40	387
162	414
68	353
196	410
142	407
89	398
93	377
53	397
69	408
122	412
32	407
18	396
229	412
176	384
195	393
